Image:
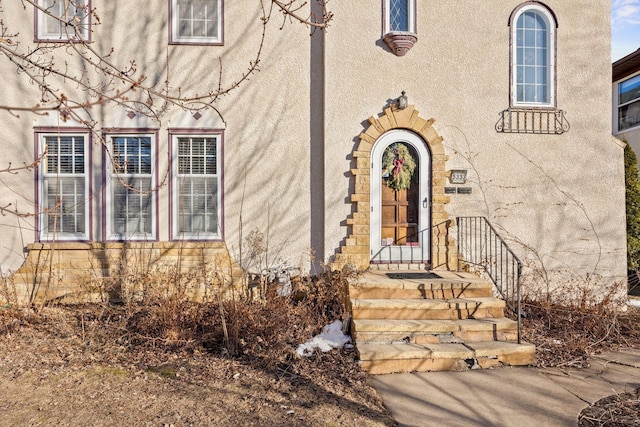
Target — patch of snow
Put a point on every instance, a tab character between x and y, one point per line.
331	337
634	302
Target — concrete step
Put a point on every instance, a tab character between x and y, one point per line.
412	290
434	331
420	285
425	309
402	357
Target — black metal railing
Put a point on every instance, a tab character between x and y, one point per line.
480	245
532	120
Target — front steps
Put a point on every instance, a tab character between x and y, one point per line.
450	321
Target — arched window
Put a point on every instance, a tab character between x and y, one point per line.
533	39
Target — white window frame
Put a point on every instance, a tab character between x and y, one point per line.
550	57
82	199
411	18
115	178
178	178
619	105
81	13
175	38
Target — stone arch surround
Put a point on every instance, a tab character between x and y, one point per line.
355	249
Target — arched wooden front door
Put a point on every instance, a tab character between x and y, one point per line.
400	201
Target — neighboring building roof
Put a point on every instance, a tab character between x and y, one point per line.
627	65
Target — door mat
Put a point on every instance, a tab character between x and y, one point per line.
416	275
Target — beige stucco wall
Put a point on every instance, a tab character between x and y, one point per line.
290	130
557	199
265	120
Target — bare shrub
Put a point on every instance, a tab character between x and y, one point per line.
268	332
573	325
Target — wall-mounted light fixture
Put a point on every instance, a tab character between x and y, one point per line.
403	101
458	176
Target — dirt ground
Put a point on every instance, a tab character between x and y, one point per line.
57	370
54	373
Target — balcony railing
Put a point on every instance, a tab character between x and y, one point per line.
532	120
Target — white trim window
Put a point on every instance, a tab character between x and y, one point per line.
400	16
533	57
131	188
629	103
63	20
63	187
197	195
196	21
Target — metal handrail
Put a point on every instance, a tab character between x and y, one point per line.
479	244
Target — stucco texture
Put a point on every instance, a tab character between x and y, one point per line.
558	200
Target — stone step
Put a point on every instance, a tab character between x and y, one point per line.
411	290
425	309
434	331
420	285
402	357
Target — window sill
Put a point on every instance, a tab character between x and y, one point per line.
400	42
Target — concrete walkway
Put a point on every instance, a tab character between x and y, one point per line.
510	396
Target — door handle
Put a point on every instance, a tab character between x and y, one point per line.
425	202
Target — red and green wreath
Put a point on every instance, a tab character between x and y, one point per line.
398	166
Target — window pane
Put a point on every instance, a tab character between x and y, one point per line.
64	205
629	89
532	61
198	210
73	11
197	18
629	116
131	203
399	15
131	154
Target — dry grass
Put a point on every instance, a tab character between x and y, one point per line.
172	361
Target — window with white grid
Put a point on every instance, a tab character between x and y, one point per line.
400	16
533	56
61	20
64	198
196	184
196	21
131	188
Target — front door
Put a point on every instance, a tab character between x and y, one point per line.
400	193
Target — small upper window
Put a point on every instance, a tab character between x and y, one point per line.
62	20
533	56
629	103
196	21
400	16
